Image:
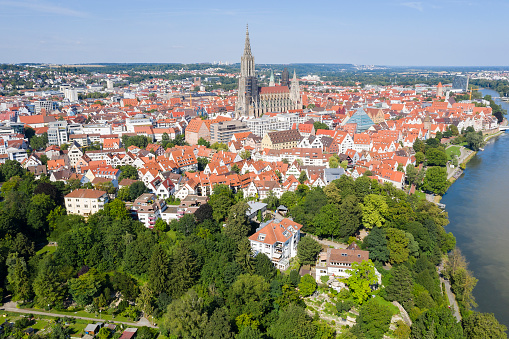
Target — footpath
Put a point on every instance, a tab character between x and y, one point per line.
11	307
450	296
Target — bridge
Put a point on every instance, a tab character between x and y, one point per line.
503	128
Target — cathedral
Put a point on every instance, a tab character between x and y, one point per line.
253	101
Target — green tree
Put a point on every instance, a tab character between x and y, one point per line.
474	140
320	125
374	211
48	287
334	161
419	146
219	326
185	317
85	287
307	285
436	180
221	201
185	271
289	199
18	277
128	172
307	250
245	155
264	267
244	255
249	294
237	224
104	333
11	168
398	245
373	320
38	210
136	189
203	142
145	300
419	157
436	157
292	322
158	271
124	194
400	286
116	209
302	177
437	323
483	325
362	277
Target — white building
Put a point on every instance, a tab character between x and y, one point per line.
280	122
149	209
278	240
85	201
57	133
102	129
337	261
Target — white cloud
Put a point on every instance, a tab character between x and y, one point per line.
414	4
43	7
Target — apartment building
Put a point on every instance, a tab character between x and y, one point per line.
57	133
148	208
223	131
279	122
278	240
85	202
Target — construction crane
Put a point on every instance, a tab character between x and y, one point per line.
472	89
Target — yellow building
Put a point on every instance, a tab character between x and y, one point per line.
281	139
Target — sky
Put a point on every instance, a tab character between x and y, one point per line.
365	32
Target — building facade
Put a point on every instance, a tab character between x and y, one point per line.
223	131
85	202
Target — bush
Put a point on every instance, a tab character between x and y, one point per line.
307	285
344	306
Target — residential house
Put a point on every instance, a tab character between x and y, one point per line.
278	240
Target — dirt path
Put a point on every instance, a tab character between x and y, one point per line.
11	307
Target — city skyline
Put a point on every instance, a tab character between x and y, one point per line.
393	33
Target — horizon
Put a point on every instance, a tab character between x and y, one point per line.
389	33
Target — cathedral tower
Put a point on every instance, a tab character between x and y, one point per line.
295	92
248	83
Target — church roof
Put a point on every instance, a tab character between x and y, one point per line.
275	89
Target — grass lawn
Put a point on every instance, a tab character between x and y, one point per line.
384	302
47	248
453	150
420	195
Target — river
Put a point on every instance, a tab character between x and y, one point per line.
479	219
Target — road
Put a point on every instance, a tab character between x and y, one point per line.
11	307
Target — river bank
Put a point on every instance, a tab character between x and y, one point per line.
478	214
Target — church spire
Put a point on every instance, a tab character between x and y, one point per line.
247	46
271	79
